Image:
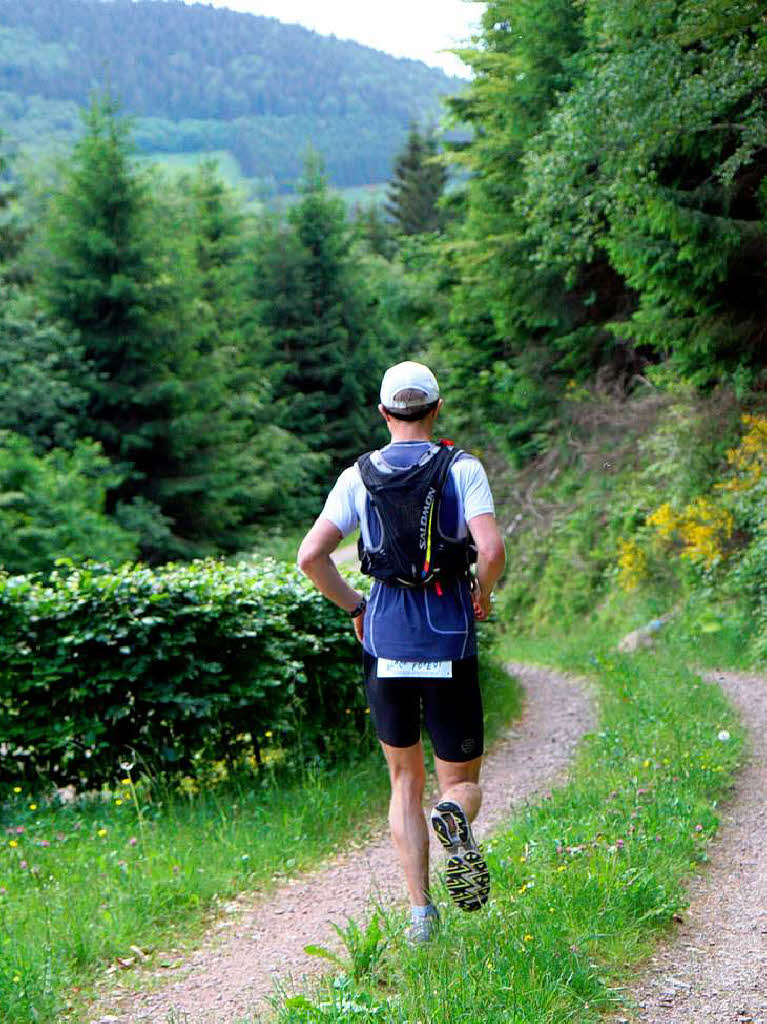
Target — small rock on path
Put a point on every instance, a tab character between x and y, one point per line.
234	972
714	970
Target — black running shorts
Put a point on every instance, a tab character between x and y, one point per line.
451	710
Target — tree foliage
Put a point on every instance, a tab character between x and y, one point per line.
330	342
54	506
417	185
616	204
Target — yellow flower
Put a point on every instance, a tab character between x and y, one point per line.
118	802
268	734
17	789
523	860
33	807
528	937
562	867
101	832
646	763
632	564
125	782
12	842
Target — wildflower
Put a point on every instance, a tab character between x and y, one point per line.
3	890
132	841
646	763
23	865
101	832
632	564
12	842
562	867
619	843
33	807
698	828
528	937
125	782
723	736
43	842
268	734
118	802
17	789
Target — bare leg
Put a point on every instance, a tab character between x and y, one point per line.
406	818
459	781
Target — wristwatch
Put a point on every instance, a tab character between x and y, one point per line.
360	608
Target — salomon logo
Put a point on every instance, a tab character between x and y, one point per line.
425	516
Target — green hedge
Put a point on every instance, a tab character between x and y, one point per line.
170	668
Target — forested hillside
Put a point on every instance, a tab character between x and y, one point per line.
201	79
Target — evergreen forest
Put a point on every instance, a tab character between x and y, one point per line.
203	80
179	372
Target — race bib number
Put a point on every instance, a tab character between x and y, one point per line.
389	669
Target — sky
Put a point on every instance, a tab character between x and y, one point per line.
404	28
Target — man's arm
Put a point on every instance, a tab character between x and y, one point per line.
491	559
315	562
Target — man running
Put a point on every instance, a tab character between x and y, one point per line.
425	511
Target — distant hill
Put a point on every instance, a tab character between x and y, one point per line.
200	79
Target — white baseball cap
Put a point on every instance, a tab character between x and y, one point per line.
408	376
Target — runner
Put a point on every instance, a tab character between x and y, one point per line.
425	512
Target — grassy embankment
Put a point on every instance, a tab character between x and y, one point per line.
132	876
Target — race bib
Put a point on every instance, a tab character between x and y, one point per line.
390	669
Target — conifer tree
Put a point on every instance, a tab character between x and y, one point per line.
154	390
418	185
327	357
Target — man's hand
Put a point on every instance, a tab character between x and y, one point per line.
481	604
359	626
491	558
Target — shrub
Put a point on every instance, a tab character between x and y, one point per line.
170	667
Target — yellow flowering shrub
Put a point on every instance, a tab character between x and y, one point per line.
632	564
703	528
749	459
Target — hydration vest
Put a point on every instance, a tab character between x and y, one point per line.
412	552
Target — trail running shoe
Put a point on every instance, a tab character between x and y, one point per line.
423	928
466	875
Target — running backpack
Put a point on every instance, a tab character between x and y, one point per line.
412	552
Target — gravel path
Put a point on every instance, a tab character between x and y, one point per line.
714	969
243	956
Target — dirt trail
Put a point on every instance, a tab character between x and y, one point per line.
241	958
714	969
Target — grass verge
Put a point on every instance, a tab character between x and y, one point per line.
583	881
124	878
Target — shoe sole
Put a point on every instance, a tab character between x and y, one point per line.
466	876
462	834
468	880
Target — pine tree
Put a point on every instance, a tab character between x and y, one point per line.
418	185
154	388
327	359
